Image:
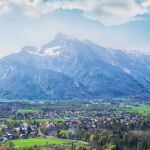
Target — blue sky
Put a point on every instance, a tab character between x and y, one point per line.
110	23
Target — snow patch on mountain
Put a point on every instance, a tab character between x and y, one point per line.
53	51
126	70
36	53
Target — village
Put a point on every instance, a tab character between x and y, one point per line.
22	120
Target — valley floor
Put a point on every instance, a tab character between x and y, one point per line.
76	125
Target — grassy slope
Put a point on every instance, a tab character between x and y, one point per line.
21	143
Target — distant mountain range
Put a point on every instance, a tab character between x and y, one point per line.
67	68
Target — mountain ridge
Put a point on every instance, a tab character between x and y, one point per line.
100	72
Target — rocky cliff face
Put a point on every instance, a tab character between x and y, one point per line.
69	68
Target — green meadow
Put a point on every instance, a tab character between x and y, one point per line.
41	120
28	111
140	109
25	143
35	120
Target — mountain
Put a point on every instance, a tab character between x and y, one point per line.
19	81
69	68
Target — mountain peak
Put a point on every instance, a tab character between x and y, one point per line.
61	40
62	36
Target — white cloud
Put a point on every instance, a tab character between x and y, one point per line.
146	3
5	6
108	12
113	12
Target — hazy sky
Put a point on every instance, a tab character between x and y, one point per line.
111	23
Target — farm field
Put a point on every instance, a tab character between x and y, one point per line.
24	143
34	120
28	111
42	120
140	109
